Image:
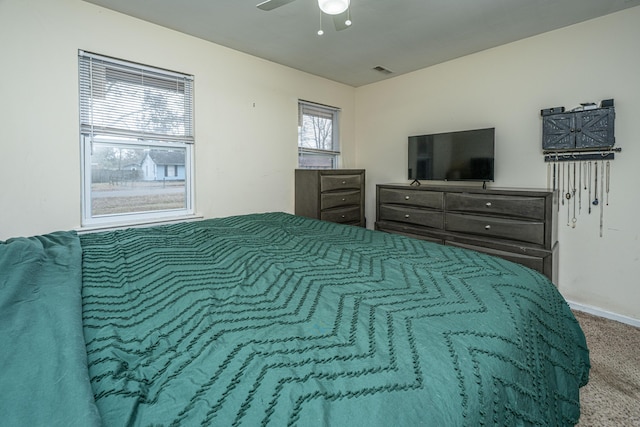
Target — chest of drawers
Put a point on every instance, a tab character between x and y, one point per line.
335	195
518	225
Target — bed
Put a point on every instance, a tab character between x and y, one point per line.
274	319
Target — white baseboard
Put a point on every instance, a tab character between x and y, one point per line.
603	313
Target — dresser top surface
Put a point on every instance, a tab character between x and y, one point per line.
470	189
332	171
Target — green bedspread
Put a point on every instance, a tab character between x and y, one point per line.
274	319
44	379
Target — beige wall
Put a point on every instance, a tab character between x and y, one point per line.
505	88
245	154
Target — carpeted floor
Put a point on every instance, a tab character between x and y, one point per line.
612	397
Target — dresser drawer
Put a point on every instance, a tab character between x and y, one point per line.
341	198
501	228
411	215
533	262
520	207
427	199
340	182
407	230
342	215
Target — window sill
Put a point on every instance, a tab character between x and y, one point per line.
137	224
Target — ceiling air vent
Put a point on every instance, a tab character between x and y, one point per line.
382	70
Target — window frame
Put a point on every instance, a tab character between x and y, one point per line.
334	154
132	139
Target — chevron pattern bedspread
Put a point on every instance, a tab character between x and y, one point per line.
275	320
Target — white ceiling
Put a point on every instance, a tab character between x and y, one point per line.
398	35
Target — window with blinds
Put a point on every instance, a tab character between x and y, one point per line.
136	130
318	138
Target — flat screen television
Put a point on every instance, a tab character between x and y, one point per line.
452	156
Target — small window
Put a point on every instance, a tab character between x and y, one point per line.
136	132
318	139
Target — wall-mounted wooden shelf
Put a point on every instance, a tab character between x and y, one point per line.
579	156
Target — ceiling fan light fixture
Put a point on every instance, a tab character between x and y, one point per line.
348	21
333	7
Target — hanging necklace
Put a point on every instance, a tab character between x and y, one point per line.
608	175
555	163
601	194
562	190
573	190
595	187
580	188
589	181
568	195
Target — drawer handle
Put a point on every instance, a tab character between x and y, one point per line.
342	216
488	204
344	182
343	199
406	216
487	227
407	197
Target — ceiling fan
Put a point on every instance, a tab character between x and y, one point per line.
338	9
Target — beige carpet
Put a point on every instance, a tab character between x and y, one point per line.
612	397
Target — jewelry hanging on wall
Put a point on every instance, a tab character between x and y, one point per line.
569	175
583	139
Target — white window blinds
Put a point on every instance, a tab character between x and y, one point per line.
136	101
316	110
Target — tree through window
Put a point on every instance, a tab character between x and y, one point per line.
318	142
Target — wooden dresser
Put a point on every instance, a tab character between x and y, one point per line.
518	225
335	195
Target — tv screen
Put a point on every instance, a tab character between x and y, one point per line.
452	156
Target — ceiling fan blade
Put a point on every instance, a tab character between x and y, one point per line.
272	4
339	21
